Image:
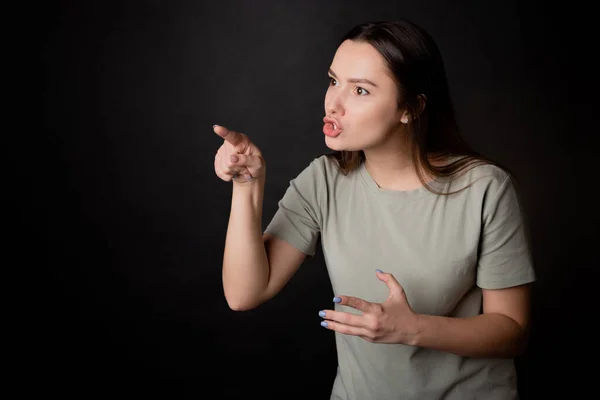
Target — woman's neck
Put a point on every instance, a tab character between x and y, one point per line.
394	170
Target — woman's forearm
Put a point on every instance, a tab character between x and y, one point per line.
245	262
486	335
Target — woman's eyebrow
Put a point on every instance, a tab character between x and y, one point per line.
354	80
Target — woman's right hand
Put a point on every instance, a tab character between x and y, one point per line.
238	159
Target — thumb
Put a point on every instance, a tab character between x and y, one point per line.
391	282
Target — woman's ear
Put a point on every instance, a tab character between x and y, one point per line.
422	102
405	117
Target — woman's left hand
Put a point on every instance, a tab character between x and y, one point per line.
392	321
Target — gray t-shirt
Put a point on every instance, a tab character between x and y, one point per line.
441	249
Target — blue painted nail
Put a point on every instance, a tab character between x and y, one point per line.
321	313
380	271
337	300
324	324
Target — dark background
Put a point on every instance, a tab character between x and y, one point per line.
126	218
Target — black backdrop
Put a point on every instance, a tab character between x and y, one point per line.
127	218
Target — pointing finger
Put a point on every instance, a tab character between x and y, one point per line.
230	136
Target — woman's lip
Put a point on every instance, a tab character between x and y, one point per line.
330	131
333	121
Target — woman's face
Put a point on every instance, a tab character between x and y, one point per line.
367	110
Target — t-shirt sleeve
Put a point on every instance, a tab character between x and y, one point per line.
504	255
299	216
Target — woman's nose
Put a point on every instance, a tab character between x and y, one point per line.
334	104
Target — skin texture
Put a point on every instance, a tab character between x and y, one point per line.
370	118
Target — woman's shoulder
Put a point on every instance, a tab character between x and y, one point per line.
324	166
318	171
485	175
316	166
321	174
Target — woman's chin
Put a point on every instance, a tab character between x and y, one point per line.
334	143
337	145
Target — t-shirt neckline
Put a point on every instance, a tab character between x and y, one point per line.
395	194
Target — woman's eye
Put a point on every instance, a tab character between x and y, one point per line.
359	90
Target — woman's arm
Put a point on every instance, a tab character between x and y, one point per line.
500	332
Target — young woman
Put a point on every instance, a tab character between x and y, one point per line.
424	239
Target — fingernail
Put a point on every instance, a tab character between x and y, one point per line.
337	300
214	125
324	324
380	271
234	158
322	314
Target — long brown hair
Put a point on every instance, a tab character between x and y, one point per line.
416	66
